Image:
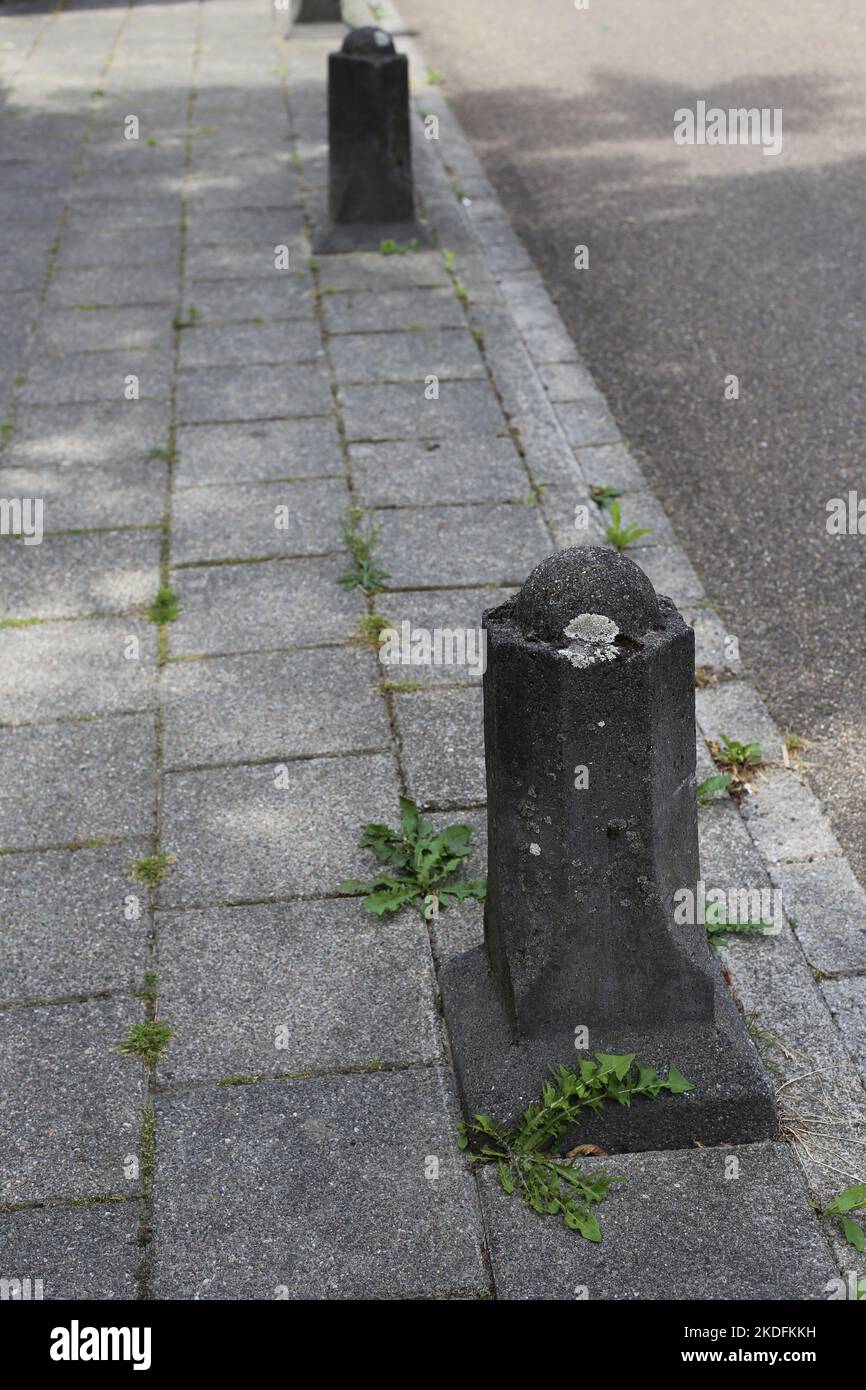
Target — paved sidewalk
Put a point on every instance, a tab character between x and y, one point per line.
280	1146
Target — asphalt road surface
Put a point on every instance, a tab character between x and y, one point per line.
707	261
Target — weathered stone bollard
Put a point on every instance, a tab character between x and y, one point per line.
590	745
370	193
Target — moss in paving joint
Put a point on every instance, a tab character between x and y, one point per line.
146	1041
148	991
369	630
404	687
153	869
20	622
165	607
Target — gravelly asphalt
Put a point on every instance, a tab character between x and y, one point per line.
706	261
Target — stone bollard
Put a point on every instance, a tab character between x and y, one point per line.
370	193
589	731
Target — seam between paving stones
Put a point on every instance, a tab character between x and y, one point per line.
148	1137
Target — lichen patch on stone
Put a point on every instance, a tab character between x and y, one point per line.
591	639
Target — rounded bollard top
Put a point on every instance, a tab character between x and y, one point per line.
587	582
369	41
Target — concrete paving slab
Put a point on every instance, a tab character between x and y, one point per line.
77	1252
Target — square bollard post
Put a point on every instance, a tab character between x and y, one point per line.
370	189
589	731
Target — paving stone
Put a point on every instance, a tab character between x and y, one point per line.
811	1067
729	858
238	836
224	300
97	376
272	705
136	214
257	450
55	670
455	611
122	493
70	1103
111	247
610	465
711	641
712	1237
670	572
248	343
105	330
448	353
827	908
65	929
63	783
373	272
313	984
785	819
846	1000
445	546
222	225
569	381
88	434
247	393
587	422
77	1252
240	520
402	411
393	311
443	746
575	518
258	1191
249	260
486	468
129	284
275	604
70	576
736	709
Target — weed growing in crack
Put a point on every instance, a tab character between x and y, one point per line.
852	1199
707	789
739	760
619	536
366	572
603	494
416	860
526	1157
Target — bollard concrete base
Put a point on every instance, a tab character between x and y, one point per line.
732	1102
340	238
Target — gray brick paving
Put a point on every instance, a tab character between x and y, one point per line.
455	485
78	1252
430	471
238	835
240	521
313	985
256	451
275	604
70	1112
232	1214
61	783
66	929
236	708
70	576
